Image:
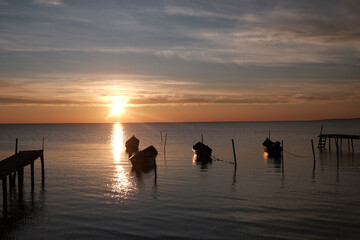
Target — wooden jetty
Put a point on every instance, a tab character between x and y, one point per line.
338	138
16	164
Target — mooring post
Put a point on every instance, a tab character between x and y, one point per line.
233	146
16	146
321	130
165	142
42	168
312	145
4	187
32	176
282	156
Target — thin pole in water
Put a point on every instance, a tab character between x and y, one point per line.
312	145
16	146
233	146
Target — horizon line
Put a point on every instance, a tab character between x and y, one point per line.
314	120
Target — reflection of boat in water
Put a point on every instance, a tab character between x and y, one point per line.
202	152
132	145
273	149
145	158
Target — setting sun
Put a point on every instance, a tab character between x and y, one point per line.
117	107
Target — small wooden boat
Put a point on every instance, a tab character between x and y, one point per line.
273	149
132	145
202	152
144	158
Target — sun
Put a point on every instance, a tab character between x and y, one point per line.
117	107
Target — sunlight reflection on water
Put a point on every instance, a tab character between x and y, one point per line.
121	184
117	141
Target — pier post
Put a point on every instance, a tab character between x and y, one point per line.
4	187
32	176
282	157
233	146
16	146
340	144
42	168
352	145
11	183
21	182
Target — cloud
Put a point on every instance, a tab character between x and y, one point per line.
240	32
48	2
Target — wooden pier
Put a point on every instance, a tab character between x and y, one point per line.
338	138
15	164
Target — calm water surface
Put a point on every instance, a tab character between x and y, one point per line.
91	191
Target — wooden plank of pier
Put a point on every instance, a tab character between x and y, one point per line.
16	163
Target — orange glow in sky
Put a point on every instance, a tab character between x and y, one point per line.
177	61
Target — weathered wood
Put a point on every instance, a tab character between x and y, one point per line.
20	182
4	187
17	161
16	146
42	168
313	151
32	175
15	164
233	146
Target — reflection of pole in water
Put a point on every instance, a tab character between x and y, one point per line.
234	177
337	168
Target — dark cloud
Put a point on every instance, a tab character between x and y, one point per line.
42	101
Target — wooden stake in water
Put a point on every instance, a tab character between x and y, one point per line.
312	145
16	146
233	146
165	141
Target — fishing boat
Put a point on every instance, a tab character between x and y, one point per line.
273	149
144	158
132	145
202	152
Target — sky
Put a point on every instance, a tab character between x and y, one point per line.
68	61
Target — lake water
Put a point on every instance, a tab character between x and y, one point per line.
91	192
